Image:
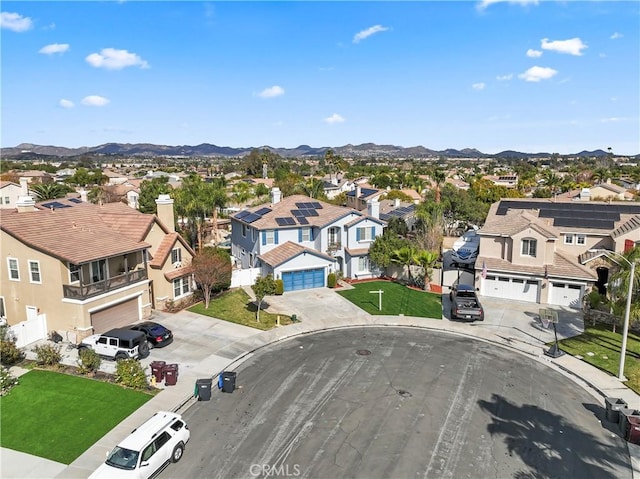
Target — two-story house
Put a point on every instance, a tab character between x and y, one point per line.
9	194
542	251
79	268
301	240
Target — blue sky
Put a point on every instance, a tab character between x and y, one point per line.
524	75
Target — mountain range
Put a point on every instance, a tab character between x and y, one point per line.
206	149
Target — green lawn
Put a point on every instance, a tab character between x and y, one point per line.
397	299
59	416
605	348
236	306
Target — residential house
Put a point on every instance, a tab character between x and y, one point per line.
360	196
79	268
506	180
540	250
115	178
301	240
398	209
9	194
35	177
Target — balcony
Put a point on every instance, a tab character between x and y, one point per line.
333	247
90	290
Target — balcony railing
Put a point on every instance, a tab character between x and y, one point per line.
85	291
333	247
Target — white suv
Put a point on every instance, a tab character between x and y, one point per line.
148	449
118	344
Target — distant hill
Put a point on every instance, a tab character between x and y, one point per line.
29	150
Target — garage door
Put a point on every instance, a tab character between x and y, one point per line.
511	288
305	279
564	294
116	316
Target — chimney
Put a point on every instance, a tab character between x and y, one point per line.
25	204
396	202
164	205
83	195
24	187
358	191
276	195
373	208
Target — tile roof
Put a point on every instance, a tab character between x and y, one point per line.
287	251
163	250
76	234
326	215
562	267
357	252
178	272
631	224
515	221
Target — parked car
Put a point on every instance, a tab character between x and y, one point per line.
465	249
118	344
465	303
148	449
157	335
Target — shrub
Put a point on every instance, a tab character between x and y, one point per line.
331	280
7	381
89	361
48	354
130	373
279	286
9	352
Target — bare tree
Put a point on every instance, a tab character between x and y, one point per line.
212	271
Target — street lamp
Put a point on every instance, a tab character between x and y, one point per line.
627	312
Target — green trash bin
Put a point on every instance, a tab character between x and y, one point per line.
294	318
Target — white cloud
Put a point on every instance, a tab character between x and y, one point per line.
272	92
573	46
15	22
54	48
613	119
66	103
478	86
483	4
368	32
531	53
113	59
536	74
506	77
335	118
616	35
94	100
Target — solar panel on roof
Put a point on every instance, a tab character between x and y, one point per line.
251	217
263	211
316	205
301	205
75	200
309	213
242	214
297	213
285	221
302	220
56	204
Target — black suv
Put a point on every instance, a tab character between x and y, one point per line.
118	344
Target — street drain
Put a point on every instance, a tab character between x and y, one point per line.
404	394
363	352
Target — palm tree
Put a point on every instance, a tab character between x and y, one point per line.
438	176
313	188
49	191
620	280
427	260
406	256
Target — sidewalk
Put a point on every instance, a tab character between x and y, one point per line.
513	328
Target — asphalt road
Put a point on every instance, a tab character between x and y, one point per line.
422	404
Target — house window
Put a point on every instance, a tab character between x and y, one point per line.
244	230
270	237
34	272
181	287
6	200
568	239
253	234
3	312
365	234
14	272
74	273
98	270
306	234
364	264
176	255
529	247
581	239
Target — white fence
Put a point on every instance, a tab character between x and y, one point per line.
244	277
30	331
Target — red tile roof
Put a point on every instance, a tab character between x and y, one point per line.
287	251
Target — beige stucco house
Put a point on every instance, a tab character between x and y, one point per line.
79	268
547	251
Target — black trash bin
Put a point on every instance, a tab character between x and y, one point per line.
614	406
203	386
228	381
170	374
157	369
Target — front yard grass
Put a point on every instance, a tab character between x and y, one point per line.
397	299
58	416
236	306
600	346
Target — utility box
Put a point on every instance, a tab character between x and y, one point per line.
228	381
170	374
613	406
203	387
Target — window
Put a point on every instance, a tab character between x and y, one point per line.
244	230
365	234
363	263
270	237
3	312
528	247
176	255
581	239
98	270
253	234
181	287
14	272
6	200
568	239
34	272
306	234
74	273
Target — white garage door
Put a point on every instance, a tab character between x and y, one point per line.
564	294
518	289
116	316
